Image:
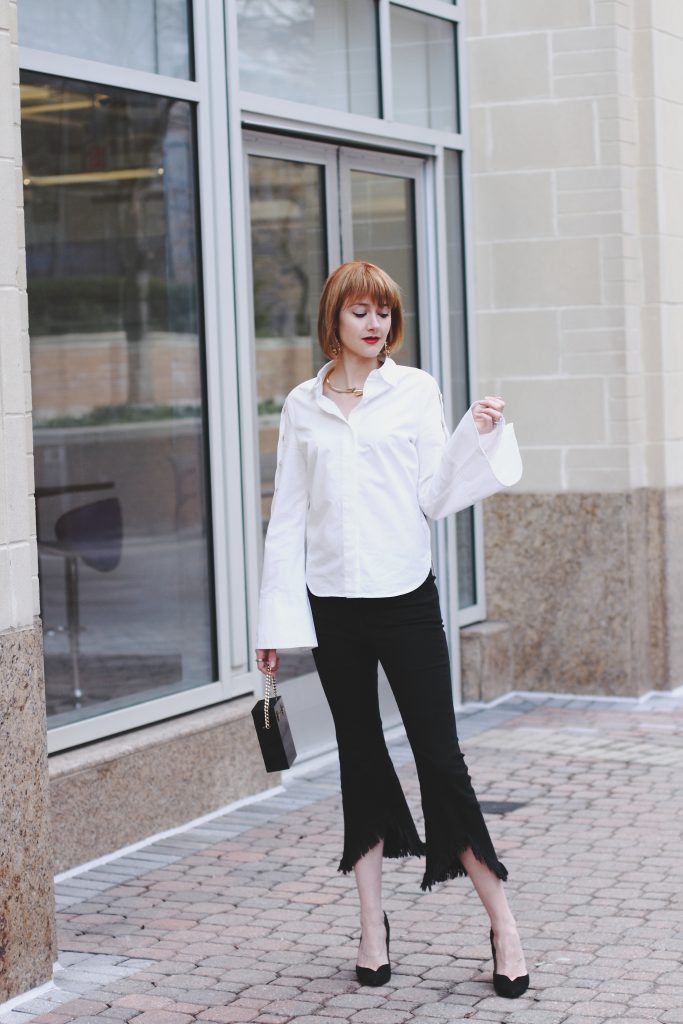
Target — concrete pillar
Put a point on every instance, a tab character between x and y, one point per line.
577	169
27	930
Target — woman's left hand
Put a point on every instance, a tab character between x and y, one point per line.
487	412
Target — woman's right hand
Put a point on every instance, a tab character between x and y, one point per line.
267	660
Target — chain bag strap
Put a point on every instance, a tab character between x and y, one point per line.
271	691
272	728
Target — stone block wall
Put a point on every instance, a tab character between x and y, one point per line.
576	113
27	935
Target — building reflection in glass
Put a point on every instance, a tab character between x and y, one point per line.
118	395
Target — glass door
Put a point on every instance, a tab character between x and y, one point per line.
383	220
294	240
311	207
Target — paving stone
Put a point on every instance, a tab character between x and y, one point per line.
81	1007
246	918
228	1014
357	1000
323	1018
163	1017
380	1016
51	1017
143	1001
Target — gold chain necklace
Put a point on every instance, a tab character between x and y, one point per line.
342	391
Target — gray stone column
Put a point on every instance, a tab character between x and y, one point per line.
27	929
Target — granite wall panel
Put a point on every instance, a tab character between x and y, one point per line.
122	790
27	919
589	584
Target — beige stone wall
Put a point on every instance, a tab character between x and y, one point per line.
27	933
576	114
18	553
576	126
658	76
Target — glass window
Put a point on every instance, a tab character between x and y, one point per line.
289	266
313	51
383	220
150	35
424	70
118	397
457	323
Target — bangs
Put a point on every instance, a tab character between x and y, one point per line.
366	281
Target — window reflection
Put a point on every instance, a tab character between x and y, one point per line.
120	454
151	35
424	69
289	266
383	220
322	52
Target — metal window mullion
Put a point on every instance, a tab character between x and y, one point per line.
63	66
244	368
450	534
344	199
284	147
468	289
447	536
435	8
110	723
333	238
335	125
229	570
469	615
396	164
384	47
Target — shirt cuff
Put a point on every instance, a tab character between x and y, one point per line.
489	442
284	623
499	447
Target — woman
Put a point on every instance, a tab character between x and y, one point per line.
364	459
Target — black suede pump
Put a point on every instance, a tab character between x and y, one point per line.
508	988
381	976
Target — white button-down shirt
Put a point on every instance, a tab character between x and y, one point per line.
352	495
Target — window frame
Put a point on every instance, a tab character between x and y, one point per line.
222	111
207	92
291	120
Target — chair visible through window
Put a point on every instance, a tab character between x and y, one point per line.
92	533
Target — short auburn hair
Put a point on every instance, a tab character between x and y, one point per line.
352	282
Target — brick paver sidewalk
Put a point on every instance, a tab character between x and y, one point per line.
245	918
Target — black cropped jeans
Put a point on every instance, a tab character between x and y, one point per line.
406	635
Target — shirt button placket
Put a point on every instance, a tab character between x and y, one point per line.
347	530
355	513
346	508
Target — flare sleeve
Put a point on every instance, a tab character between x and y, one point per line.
458	469
284	614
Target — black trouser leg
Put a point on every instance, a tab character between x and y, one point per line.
413	651
373	801
406	633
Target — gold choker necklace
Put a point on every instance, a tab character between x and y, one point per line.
342	391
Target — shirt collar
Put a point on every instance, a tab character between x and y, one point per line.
388	371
